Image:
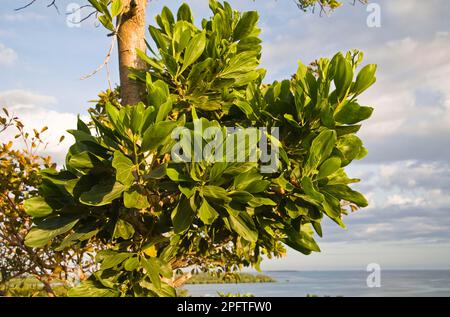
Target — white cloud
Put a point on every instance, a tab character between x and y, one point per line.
33	110
409	9
8	56
407	66
24	98
404	201
22	17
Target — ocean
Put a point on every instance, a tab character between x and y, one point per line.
393	283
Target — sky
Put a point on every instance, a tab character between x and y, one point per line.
406	175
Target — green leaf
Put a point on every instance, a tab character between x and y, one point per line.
365	79
156	135
332	208
102	194
346	193
194	50
116	8
241	196
49	228
261	201
257	186
96	5
151	267
111	259
163	111
124	168
343	76
131	264
243	225
184	13
134	199
245	25
83	161
182	216
150	61
215	192
158	172
157	92
318	228
294	210
328	167
81	233
301	241
207	213
37	207
239	65
123	229
352	112
91	288
351	148
164	291
309	189
321	148
107	22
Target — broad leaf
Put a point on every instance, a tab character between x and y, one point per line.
102	194
207	213
37	207
123	229
156	135
134	199
91	288
365	79
182	216
124	168
49	228
194	50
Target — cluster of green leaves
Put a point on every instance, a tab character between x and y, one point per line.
107	10
121	186
204	67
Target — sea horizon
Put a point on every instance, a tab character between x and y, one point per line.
347	283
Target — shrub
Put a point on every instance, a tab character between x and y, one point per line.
158	210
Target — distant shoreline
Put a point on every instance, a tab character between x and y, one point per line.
236	278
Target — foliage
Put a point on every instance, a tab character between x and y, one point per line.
32	287
19	180
122	187
324	5
222	294
209	278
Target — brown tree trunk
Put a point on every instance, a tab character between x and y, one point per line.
131	36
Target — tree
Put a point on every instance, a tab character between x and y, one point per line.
140	186
19	179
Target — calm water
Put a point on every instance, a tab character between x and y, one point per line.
337	283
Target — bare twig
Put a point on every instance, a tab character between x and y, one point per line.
80	8
53	4
86	17
25	6
105	61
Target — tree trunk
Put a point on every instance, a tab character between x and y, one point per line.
131	36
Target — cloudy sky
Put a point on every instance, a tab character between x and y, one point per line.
406	175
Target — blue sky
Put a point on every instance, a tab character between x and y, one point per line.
406	175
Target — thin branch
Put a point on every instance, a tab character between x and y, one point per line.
53	4
86	17
25	6
79	9
105	61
